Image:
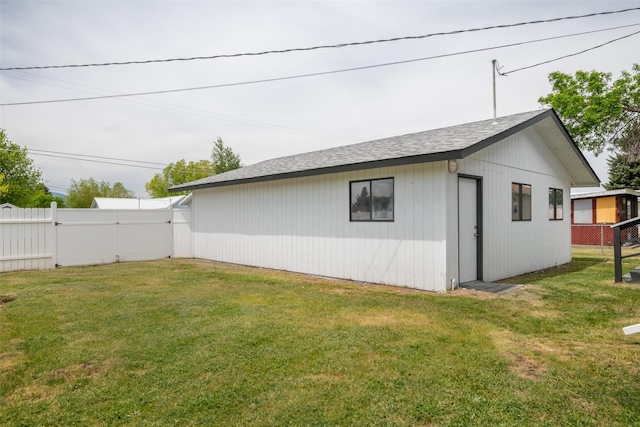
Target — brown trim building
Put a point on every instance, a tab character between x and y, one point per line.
590	211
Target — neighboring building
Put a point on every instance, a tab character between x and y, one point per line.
186	202
8	206
589	211
427	210
122	203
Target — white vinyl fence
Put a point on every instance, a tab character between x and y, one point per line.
35	239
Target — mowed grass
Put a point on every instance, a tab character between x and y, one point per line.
188	342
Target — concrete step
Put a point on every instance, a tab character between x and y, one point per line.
633	276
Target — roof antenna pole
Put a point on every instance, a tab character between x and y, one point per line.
493	69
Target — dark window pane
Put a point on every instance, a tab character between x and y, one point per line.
361	201
526	202
559	204
515	202
383	199
552	203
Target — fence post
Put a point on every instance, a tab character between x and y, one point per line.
54	235
173	232
617	254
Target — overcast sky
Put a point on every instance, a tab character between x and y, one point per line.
262	121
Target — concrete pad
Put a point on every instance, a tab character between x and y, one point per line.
496	288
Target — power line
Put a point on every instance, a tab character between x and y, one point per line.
45	154
95	157
334	46
96	161
567	56
190	110
321	73
55	187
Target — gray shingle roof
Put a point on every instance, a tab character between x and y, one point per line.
453	142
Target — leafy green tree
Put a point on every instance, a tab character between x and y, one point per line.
82	192
42	198
223	157
599	113
3	187
22	181
176	173
118	190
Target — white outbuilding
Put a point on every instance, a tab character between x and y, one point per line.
136	203
479	201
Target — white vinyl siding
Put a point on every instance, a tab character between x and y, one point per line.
513	247
302	225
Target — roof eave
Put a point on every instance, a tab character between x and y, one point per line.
406	160
575	148
423	158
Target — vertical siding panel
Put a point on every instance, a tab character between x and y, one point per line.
297	222
332	223
318	229
310	224
420	237
438	276
289	207
340	205
359	253
405	264
397	268
349	240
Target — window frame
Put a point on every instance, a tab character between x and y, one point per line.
520	201
555	204
371	196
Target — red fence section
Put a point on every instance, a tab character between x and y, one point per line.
600	235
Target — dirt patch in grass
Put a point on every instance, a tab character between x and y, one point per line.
6	298
526	356
471	293
524	366
52	384
32	394
74	372
10	359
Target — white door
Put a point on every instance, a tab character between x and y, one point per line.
468	229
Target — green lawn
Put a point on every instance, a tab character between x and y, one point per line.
184	342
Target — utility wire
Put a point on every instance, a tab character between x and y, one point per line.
566	56
185	110
321	73
34	150
97	161
87	160
334	46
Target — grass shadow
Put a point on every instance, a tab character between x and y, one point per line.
576	265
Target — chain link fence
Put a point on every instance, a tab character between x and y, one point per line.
601	235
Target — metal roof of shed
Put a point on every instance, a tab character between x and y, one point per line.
135	203
455	142
594	195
